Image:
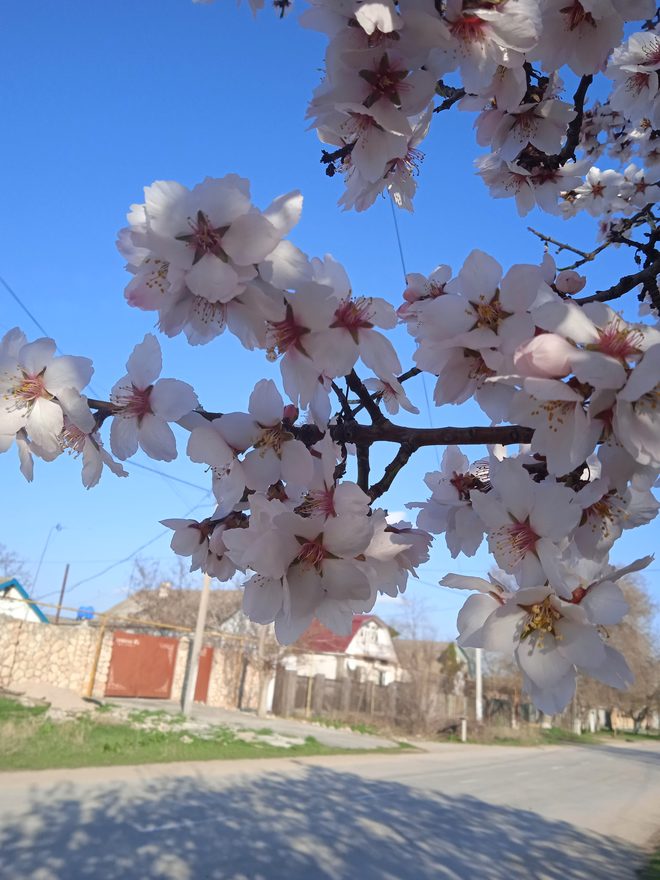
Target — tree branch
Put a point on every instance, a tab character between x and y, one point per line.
575	126
363	466
355	384
343	400
386	431
450	94
397	464
647	277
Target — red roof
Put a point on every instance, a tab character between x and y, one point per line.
318	639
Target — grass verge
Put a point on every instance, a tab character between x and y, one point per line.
652	869
30	741
534	736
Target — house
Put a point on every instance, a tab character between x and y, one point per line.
436	666
177	606
366	653
15	602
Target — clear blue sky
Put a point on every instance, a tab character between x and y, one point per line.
100	99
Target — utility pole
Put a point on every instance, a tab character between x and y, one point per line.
479	696
61	599
262	704
188	693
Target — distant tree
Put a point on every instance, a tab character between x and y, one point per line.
14	566
637	638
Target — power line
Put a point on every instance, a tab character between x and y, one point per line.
13	293
398	239
130	555
10	290
43	330
167	476
405	280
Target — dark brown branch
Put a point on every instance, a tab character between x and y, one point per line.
413	371
389	433
102	406
363	466
329	159
450	94
645	277
356	385
343	400
575	126
393	468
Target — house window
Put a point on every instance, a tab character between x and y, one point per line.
371	635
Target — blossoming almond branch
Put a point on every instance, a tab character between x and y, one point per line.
555	370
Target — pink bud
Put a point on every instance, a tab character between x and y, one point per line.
410	294
569	281
291	412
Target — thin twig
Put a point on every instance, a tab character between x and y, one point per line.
575	126
393	468
356	385
343	400
363	466
451	95
645	276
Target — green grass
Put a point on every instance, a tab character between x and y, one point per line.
339	724
12	710
534	736
31	741
652	869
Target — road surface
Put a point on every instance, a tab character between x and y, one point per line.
454	813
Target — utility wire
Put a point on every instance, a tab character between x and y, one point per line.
405	279
43	330
167	476
10	290
130	555
398	239
13	293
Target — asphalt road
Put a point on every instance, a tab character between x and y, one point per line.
459	812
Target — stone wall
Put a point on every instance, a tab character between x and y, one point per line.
64	656
59	655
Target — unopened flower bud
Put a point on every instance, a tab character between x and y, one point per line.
569	281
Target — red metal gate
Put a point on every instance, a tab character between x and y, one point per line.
141	666
203	674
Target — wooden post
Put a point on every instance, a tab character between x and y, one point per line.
371	694
61	599
318	689
345	697
95	664
479	692
262	698
289	688
391	700
195	650
308	698
463	730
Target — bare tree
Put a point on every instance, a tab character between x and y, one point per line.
435	676
636	639
14	566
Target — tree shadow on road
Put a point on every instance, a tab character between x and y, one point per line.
321	824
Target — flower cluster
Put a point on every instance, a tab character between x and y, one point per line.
386	63
296	516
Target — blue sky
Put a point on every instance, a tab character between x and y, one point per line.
100	100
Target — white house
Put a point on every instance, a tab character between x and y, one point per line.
13	603
366	652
